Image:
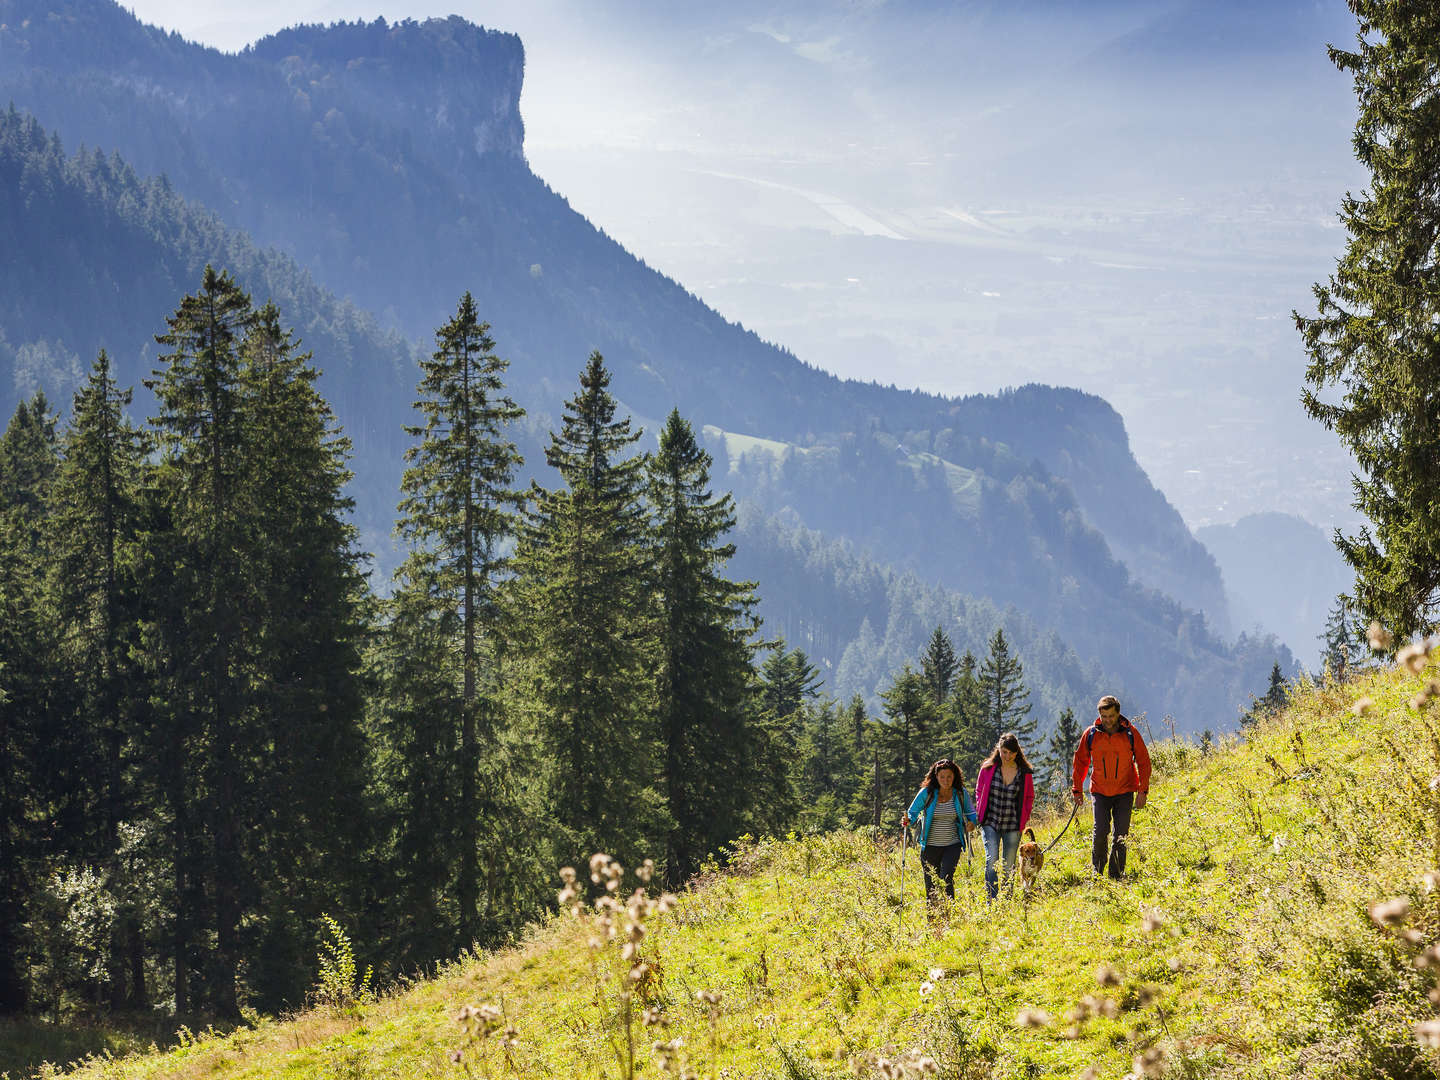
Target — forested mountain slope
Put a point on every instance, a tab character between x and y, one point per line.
388	160
1276	920
130	247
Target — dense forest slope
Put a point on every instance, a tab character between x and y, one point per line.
1277	920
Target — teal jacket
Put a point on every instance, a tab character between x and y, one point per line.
924	804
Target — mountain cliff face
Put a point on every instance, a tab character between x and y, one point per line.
386	161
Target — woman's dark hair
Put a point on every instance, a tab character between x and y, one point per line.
932	780
1008	741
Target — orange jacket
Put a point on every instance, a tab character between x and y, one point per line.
1117	762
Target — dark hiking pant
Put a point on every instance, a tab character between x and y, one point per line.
1111	810
944	860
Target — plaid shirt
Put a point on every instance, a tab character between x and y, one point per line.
1002	808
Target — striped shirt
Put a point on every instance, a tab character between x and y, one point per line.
1002	808
943	830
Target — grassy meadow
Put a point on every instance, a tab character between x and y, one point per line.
1246	942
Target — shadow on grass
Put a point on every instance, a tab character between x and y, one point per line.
27	1043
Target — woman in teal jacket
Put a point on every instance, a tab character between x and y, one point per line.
944	816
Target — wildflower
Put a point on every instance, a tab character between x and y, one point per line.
926	987
599	864
652	1016
1151	1063
936	974
1380	639
456	1055
1390	912
1427	1032
646	871
666	902
1412	658
638	971
1032	1018
1363	706
1151	920
1106	975
567	875
1175	963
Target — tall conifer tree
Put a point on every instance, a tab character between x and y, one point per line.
459	513
304	697
1374	330
907	741
32	741
200	428
97	520
590	628
1005	700
706	628
939	666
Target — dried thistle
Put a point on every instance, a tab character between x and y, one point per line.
1390	913
1106	975
1427	1034
1363	706
1380	639
1412	658
1151	1063
1032	1018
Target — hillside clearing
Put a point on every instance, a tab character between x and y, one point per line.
1241	946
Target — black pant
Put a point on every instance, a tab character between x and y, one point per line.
1111	809
944	860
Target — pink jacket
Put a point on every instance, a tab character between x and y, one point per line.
982	795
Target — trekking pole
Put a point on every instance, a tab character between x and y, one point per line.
904	844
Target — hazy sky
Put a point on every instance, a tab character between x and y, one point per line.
1128	197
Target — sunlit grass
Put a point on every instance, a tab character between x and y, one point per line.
1241	945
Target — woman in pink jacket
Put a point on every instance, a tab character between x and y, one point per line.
1004	795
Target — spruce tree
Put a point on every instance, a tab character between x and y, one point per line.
200	431
304	699
33	738
968	730
906	741
789	681
1374	334
1060	754
940	666
97	520
1343	646
1005	700
459	514
587	599
706	627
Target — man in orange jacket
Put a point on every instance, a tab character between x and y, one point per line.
1114	755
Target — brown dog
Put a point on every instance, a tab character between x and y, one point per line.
1031	860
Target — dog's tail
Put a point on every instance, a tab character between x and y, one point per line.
1031	834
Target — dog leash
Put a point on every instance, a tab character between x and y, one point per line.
1052	843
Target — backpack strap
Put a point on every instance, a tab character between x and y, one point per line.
1090	738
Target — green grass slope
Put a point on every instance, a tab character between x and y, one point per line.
1246	943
